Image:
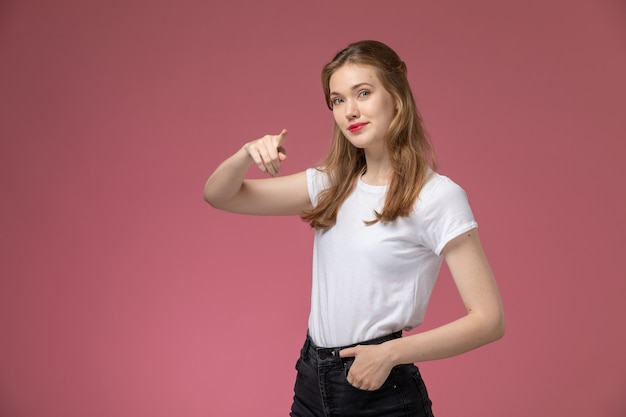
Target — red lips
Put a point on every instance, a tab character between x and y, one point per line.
355	127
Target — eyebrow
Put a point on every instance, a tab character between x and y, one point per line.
354	87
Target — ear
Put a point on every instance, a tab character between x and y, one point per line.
397	105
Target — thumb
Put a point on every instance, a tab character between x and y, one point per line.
347	353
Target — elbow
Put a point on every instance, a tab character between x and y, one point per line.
222	198
217	200
213	202
499	328
211	198
490	327
496	327
207	197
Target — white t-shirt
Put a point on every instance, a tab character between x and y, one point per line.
370	281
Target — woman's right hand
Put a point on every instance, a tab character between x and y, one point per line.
228	189
268	152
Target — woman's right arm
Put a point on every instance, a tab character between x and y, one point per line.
228	189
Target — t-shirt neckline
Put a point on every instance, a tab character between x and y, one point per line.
371	188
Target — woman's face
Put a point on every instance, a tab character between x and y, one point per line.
362	107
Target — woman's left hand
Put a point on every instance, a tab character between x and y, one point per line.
371	366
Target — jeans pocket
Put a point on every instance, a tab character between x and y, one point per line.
347	364
426	403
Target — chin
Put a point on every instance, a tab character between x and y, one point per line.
358	145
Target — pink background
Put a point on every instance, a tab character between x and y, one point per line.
123	294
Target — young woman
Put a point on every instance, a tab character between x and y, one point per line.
384	220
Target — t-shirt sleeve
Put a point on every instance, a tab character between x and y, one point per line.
316	182
445	213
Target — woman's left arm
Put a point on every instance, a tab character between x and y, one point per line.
483	323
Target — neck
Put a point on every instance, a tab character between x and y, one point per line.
378	169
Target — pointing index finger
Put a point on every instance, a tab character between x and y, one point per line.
283	136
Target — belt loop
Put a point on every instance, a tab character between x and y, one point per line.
336	354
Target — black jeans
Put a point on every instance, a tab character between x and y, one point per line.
322	390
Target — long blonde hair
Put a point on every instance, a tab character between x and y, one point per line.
410	151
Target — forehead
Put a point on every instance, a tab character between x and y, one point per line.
350	75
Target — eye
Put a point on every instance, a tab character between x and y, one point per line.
364	93
336	100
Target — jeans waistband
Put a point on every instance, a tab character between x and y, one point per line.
316	352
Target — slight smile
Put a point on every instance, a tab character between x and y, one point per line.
355	127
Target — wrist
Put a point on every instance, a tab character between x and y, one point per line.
243	157
390	351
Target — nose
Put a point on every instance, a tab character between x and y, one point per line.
352	110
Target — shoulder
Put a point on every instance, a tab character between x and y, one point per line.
317	180
443	211
440	189
316	173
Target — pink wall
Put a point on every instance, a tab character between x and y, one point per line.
122	294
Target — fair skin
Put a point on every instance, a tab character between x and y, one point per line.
363	109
